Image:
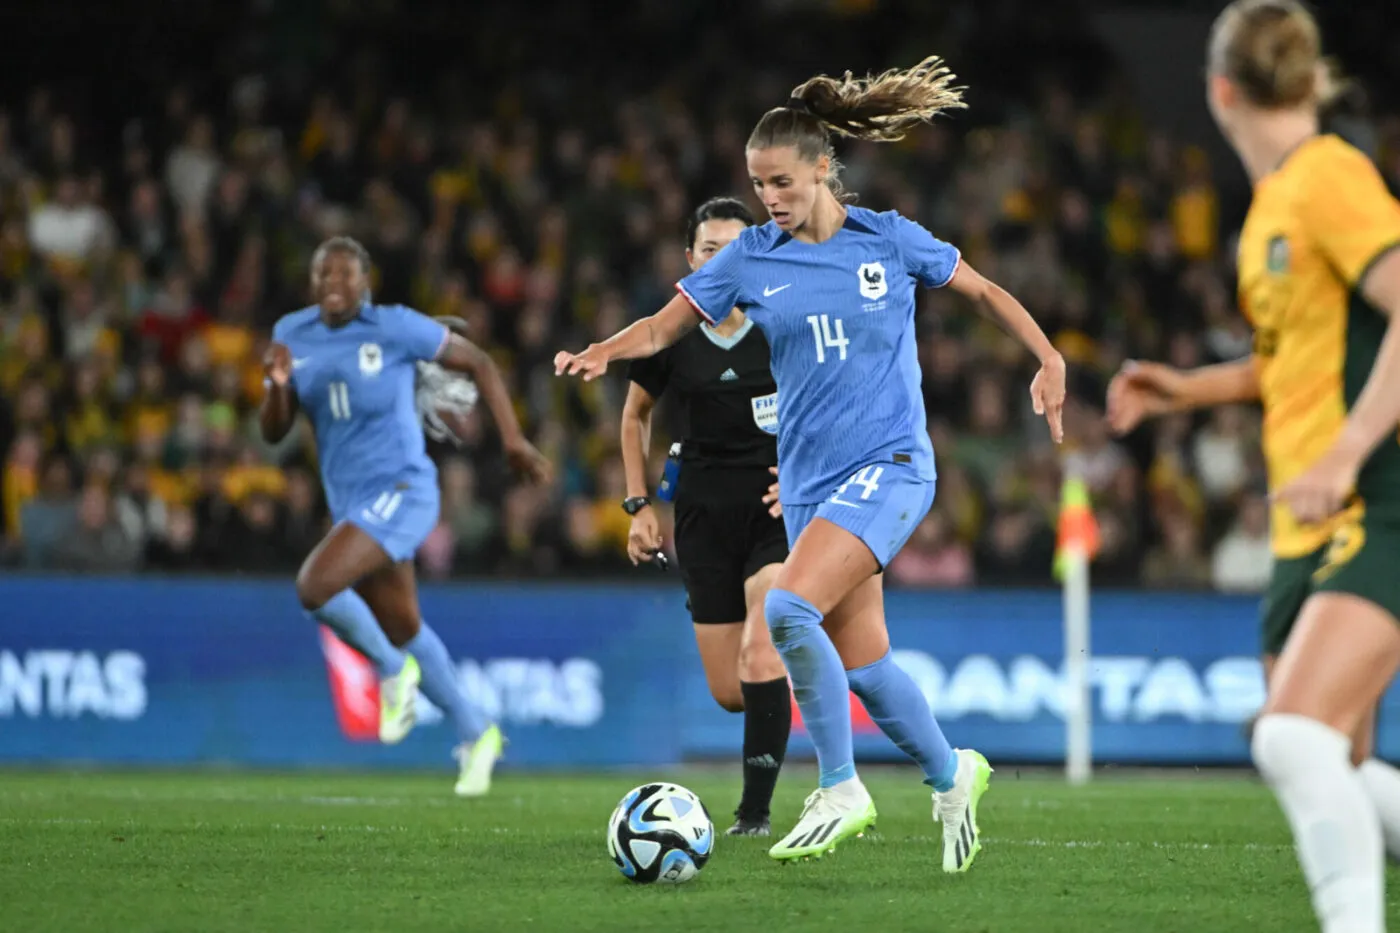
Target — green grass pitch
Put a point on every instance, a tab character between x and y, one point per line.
347	852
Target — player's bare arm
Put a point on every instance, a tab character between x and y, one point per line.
636	437
646	337
1323	489
278	411
461	355
644	537
1143	390
1377	410
997	304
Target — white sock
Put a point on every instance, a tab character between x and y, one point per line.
1335	828
1382	782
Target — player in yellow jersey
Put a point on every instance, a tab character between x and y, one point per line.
1320	282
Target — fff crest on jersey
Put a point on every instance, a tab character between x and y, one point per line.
1277	259
371	359
872	280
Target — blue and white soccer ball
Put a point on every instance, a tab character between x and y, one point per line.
660	832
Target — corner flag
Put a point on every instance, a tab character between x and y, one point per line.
1078	529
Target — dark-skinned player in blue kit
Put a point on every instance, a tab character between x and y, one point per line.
352	367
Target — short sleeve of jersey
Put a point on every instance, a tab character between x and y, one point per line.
1349	213
279	335
652	373
421	337
715	288
926	257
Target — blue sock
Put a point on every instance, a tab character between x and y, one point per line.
898	707
440	684
818	681
350	618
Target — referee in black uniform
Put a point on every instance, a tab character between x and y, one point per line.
728	544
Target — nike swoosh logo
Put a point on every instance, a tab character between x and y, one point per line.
770	292
299	363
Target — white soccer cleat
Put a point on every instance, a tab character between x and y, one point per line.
957	811
477	762
396	702
830	815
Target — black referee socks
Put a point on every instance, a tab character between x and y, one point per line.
767	722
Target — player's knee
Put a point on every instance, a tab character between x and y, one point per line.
759	662
788	615
311	591
1285	746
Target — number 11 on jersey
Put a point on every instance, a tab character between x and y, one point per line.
826	336
340	401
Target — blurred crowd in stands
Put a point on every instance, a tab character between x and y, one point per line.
140	275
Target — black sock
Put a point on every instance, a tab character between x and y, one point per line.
767	722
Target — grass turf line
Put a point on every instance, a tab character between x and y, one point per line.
307	852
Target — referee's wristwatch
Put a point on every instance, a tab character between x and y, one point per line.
634	504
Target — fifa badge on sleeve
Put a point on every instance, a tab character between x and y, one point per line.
669	474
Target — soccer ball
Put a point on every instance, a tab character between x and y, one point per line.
660	832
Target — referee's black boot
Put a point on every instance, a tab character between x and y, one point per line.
749	826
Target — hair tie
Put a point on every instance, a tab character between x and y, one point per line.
798	104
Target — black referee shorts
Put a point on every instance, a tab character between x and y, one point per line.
719	545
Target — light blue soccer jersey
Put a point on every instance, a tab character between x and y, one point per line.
839	317
356	385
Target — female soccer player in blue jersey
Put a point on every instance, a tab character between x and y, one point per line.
832	288
351	366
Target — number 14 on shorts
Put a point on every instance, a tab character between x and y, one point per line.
828	337
868	479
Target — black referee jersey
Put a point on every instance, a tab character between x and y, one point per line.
728	410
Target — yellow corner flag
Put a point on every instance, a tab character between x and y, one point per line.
1077	529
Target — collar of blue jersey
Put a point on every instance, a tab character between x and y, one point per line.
366	311
853	222
730	342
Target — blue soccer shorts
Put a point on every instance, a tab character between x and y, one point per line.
881	504
398	518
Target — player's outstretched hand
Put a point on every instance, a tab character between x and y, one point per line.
1048	395
528	462
277	364
1140	391
590	364
770	498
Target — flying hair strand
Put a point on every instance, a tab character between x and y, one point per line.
883	107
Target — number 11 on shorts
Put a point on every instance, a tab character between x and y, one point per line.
825	336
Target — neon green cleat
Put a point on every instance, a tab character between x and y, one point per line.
830	815
957	810
396	699
478	761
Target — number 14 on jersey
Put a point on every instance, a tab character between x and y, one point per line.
826	336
